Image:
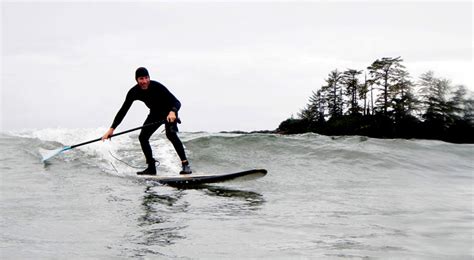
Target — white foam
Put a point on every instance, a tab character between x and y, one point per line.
102	154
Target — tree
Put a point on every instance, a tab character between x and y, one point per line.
311	111
333	93
385	73
403	99
434	97
364	89
352	89
461	105
462	108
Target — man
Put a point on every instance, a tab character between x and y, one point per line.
163	106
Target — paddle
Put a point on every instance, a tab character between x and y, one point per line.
53	153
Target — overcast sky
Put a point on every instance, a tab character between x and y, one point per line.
233	65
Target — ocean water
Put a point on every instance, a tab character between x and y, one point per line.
323	198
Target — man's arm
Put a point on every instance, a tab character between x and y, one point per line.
108	134
175	105
120	115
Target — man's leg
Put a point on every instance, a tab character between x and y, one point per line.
171	129
144	138
171	134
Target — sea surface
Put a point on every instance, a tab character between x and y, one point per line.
323	198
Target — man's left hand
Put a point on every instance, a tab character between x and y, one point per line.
171	117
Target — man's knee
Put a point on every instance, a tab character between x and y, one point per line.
143	138
171	135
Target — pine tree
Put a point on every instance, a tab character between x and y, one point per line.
385	73
434	97
461	104
315	109
364	90
333	93
403	99
462	116
352	89
310	112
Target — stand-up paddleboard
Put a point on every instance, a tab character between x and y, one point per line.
198	179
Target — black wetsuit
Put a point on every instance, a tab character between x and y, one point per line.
160	101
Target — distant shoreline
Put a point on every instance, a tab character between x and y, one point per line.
250	132
368	126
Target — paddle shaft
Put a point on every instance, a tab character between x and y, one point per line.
121	133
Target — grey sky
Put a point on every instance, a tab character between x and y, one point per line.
234	65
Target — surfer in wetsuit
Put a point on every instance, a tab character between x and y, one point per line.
163	106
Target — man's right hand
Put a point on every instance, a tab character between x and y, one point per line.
108	134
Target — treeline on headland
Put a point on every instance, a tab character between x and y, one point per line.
385	102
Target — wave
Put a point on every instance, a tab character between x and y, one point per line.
228	152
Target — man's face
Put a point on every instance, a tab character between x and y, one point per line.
143	82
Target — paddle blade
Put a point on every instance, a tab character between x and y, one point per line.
48	154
